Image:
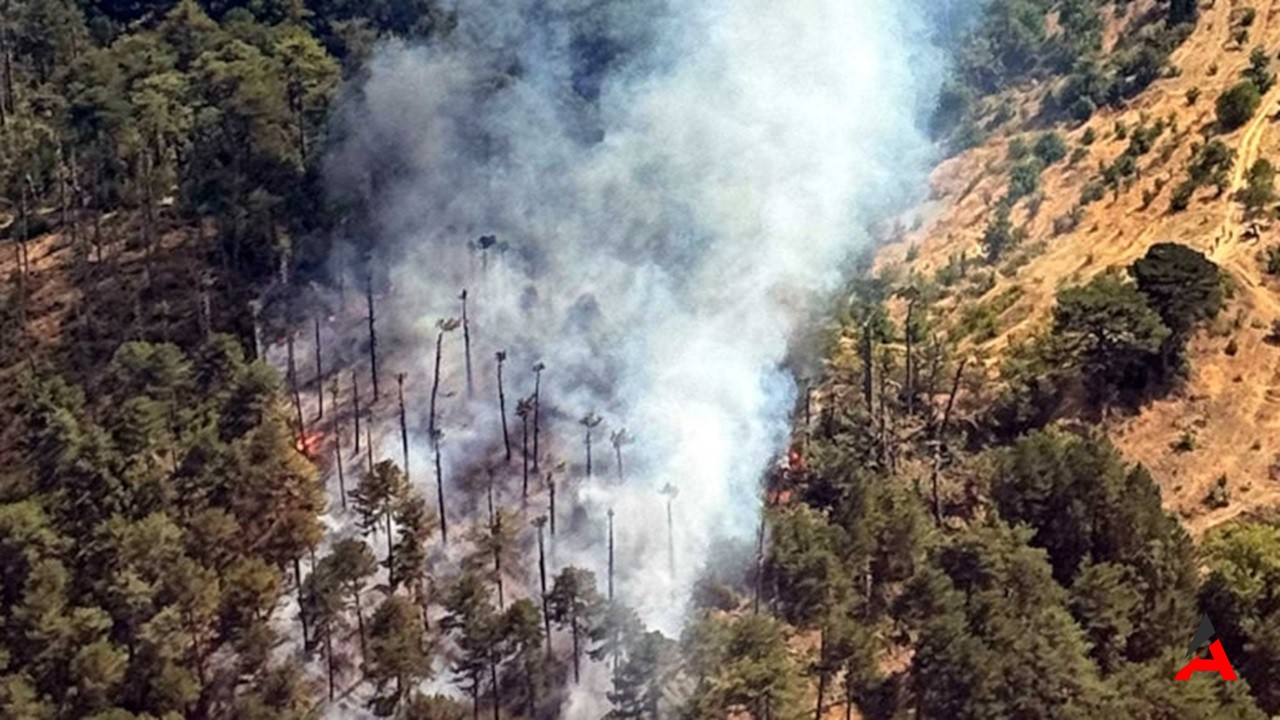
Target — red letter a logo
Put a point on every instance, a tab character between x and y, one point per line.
1217	662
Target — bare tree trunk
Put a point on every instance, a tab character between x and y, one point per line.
611	555
328	656
551	488
355	399
404	426
938	442
444	520
524	455
373	337
435	383
319	373
368	445
542	580
537	411
502	404
466	342
822	672
909	374
293	388
755	603
867	370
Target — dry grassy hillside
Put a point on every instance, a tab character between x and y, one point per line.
1230	407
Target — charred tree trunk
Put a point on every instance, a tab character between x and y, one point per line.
293	388
319	373
435	383
337	443
501	356
355	400
542	581
404	425
864	353
537	411
939	439
466	343
373	336
909	373
444	520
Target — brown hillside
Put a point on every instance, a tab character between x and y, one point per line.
1231	403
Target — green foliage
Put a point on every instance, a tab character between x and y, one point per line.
1111	333
1024	179
1261	189
1181	284
1050	148
744	665
1239	594
1211	165
1000	234
1236	105
1259	70
153	537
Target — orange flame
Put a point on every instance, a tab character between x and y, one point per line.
310	444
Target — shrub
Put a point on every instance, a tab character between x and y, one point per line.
1092	192
1232	348
1218	497
1261	190
1185	443
1181	196
1018	149
1024	179
1193	95
1271	260
1050	148
1259	70
1237	105
1064	224
1089	136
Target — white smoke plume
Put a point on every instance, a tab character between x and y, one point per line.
673	185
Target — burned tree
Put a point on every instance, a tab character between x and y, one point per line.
590	421
501	357
436	436
610	554
670	492
337	444
939	439
373	335
523	409
319	373
355	399
538	367
466	343
292	370
539	523
619	438
404	425
444	325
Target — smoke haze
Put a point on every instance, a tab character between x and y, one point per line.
671	186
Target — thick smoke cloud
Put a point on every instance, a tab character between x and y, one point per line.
673	185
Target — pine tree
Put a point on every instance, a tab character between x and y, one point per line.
575	603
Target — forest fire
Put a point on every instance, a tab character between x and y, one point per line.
310	444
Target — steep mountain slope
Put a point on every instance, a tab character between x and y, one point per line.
1224	421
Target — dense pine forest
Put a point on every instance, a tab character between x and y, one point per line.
204	516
